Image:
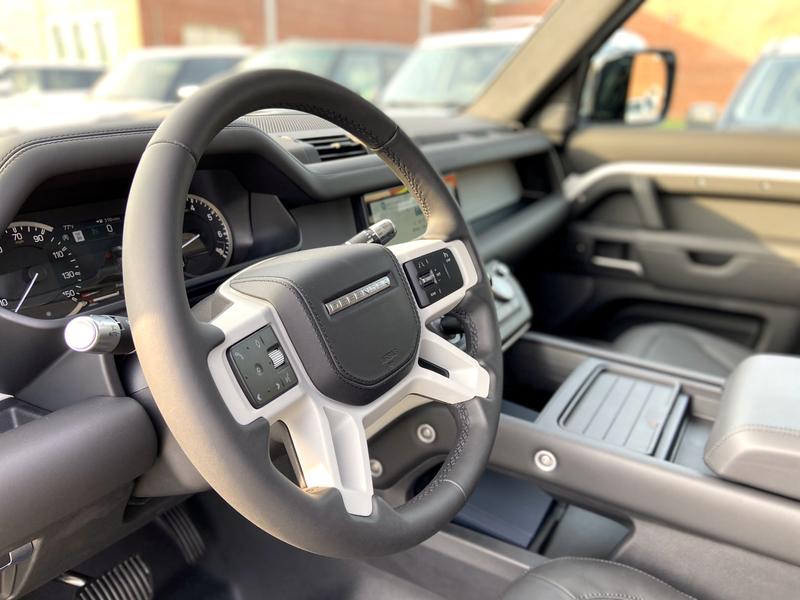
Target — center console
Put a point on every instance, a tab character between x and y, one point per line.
664	449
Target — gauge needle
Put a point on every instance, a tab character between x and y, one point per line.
190	240
27	291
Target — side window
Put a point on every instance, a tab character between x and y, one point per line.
65	79
391	62
734	69
360	71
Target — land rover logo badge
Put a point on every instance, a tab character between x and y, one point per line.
356	296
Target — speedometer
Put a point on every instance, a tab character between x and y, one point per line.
207	243
39	276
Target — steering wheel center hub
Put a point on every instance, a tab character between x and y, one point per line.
350	313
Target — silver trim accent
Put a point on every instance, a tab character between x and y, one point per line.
426	433
93	333
618	264
763	181
545	461
375	467
359	295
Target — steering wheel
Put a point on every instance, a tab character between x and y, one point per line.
322	347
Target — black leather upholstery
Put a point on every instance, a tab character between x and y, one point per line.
683	347
589	578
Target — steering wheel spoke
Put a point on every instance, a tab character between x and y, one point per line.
330	448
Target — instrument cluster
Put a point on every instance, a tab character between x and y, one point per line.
52	270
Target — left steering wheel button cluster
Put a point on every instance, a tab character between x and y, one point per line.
261	368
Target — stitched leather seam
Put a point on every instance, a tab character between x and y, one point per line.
337	118
73	137
411	180
178	144
313	317
787	431
624	566
472	338
608	596
557	586
462	417
25	148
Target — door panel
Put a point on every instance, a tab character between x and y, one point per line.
596	145
705	245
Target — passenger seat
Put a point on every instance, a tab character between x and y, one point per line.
682	347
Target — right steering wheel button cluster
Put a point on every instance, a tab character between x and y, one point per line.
260	366
433	276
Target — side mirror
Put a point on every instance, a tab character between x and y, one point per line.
185	91
633	88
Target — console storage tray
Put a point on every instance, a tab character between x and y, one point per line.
621	407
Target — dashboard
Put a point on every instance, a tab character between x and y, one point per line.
61	254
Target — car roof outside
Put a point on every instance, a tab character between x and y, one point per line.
477	37
155	52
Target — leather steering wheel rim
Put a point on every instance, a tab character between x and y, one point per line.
174	346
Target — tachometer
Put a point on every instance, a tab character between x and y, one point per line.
207	242
39	276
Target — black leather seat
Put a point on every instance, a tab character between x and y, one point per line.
589	578
683	347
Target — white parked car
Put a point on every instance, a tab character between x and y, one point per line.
448	71
147	79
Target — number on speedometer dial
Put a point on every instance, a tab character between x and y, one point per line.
207	244
39	276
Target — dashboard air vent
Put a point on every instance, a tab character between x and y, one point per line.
334	147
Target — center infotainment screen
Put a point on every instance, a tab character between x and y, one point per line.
401	207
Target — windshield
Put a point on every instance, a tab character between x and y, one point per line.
770	96
445	77
423	56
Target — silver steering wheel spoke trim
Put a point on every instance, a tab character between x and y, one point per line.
329	438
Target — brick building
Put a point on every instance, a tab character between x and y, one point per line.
257	22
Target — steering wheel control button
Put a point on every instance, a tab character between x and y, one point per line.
433	276
261	368
277	357
427	279
426	433
545	461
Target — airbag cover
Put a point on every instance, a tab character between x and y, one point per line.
365	347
